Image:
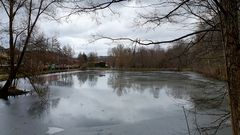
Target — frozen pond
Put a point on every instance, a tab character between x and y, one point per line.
115	103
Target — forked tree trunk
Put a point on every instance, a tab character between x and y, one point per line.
4	89
232	53
8	83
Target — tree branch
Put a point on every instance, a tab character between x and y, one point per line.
167	16
150	42
5	8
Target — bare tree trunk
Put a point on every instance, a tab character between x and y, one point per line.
232	52
12	73
8	83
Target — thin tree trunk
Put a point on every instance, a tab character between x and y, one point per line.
232	53
12	73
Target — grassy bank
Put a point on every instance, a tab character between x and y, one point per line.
3	77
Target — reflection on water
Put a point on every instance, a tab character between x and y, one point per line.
176	85
91	78
64	79
124	82
111	102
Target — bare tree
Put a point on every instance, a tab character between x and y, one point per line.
32	10
23	16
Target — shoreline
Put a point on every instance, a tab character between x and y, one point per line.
16	92
3	77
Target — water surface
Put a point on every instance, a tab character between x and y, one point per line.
113	103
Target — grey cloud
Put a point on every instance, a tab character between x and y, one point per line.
79	29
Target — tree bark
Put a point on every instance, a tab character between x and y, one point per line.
232	53
12	72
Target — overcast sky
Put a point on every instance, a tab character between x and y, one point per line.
78	30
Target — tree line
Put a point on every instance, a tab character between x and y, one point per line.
42	54
205	56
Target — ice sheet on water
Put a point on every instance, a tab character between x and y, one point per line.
53	130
